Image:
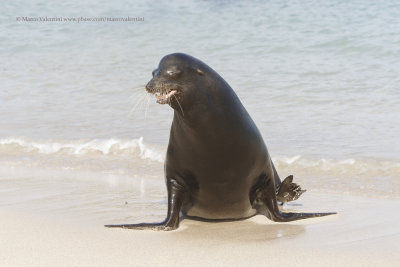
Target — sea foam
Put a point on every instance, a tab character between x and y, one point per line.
81	147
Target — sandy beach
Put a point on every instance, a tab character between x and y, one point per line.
364	233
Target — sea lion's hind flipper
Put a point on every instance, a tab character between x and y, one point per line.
264	201
176	198
289	191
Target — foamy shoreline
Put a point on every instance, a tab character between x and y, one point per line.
364	233
31	158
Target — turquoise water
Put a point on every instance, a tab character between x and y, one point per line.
320	79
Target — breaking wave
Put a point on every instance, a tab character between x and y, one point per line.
339	167
137	148
81	147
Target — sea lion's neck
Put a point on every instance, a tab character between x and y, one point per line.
210	123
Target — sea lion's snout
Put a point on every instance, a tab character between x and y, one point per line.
164	91
150	87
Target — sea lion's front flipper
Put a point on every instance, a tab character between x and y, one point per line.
265	202
176	198
289	191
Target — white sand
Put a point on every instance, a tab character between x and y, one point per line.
364	233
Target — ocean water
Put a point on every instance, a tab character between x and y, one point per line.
79	134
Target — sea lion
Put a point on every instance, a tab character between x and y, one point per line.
217	166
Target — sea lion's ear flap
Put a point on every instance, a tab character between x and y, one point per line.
199	71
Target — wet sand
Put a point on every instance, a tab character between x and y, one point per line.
365	232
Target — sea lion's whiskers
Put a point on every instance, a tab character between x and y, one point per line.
147	105
183	114
139	97
138	103
137	90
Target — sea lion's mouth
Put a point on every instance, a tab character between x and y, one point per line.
166	93
163	97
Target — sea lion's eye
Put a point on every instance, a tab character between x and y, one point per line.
153	72
173	73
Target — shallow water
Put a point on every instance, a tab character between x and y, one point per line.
320	79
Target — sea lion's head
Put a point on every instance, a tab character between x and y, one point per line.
178	80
